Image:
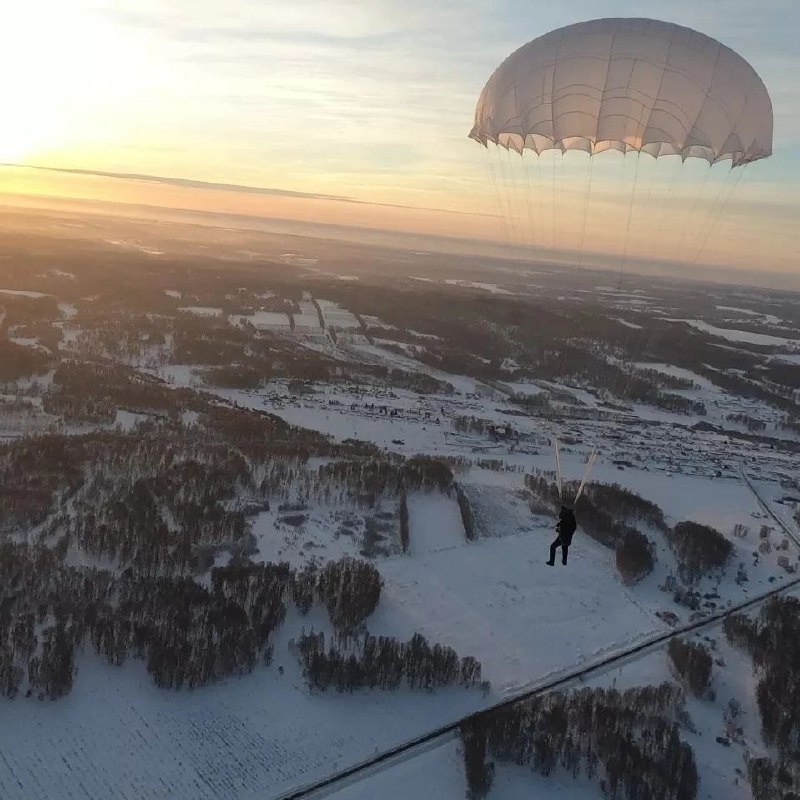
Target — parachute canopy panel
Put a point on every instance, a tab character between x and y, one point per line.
627	84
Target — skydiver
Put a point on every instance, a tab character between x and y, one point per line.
565	528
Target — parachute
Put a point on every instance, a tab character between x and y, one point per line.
628	85
631	86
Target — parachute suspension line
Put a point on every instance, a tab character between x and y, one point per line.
586	473
502	198
683	246
642	214
650	183
713	205
503	188
502	221
515	197
733	185
665	202
529	197
624	258
586	197
558	470
540	193
561	190
553	243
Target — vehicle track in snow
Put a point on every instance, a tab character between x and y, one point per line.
435	737
767	508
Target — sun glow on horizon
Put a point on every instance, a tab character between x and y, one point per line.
371	104
66	75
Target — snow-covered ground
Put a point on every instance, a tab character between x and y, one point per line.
733	335
492	288
202	311
337	316
498	600
23	293
116	735
261	734
264	319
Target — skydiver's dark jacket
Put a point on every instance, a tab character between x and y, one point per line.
566	525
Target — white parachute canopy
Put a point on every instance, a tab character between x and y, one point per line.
627	84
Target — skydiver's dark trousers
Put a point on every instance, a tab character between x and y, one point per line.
564	550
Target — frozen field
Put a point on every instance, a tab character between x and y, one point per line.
118	736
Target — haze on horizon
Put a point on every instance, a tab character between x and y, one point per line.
356	114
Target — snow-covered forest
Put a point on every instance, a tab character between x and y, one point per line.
243	499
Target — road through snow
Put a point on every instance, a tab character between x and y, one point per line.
439	736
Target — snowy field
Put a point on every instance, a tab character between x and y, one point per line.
263	319
261	734
337	316
733	335
438	770
256	736
202	311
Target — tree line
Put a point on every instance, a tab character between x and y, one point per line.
383	662
692	663
772	640
188	633
628	742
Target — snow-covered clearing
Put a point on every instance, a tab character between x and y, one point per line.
788	359
434	522
202	311
308	319
23	293
126	421
263	319
492	288
524	387
677	372
438	772
581	395
337	316
770	319
117	735
498	600
733	335
323	533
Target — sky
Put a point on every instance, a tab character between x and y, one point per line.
320	103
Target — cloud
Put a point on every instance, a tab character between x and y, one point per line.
185	183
